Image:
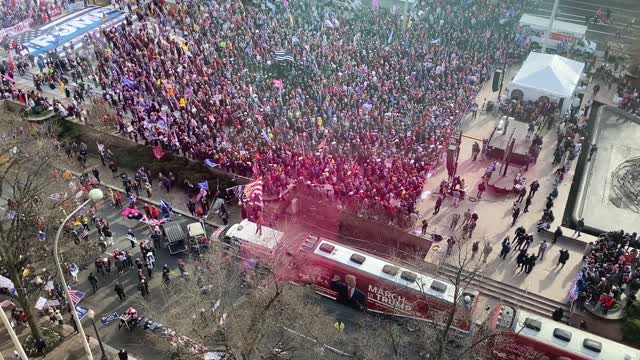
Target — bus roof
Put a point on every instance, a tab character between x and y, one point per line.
542	23
246	231
374	265
580	342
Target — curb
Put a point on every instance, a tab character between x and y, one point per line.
107	348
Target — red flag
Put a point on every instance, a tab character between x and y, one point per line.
158	152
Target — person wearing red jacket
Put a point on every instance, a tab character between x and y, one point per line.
154	212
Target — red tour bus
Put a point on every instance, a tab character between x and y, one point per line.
370	283
530	333
352	277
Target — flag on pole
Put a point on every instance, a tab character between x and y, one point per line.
376	4
237	190
253	191
204	185
211	163
158	152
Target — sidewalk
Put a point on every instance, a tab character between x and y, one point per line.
176	197
71	347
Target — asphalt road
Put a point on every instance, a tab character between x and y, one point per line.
105	300
575	11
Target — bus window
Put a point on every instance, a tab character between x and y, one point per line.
328	248
438	286
595	346
562	334
506	318
390	270
408	276
357	258
533	324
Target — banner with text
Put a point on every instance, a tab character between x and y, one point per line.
18	28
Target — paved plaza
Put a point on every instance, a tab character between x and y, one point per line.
610	199
547	279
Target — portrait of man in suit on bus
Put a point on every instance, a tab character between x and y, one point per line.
347	292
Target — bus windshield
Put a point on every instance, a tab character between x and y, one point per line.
506	318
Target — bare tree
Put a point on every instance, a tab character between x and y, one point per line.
246	313
440	338
26	183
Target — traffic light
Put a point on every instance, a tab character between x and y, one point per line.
497	79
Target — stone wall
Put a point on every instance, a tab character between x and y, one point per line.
360	232
137	155
12	106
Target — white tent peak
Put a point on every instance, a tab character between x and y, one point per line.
548	73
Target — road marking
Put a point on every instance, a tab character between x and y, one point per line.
580	21
595	5
612	34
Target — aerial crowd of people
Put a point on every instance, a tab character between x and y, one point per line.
363	112
609	270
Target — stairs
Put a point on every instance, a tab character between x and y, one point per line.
514	296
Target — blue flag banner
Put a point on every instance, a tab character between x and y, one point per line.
211	163
266	136
204	185
82	312
128	82
109	318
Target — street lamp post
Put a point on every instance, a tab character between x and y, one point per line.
12	334
91	314
94	195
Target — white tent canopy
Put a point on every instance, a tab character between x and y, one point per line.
548	75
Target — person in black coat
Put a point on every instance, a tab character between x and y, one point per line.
520	260
347	292
530	263
123	355
438	204
564	256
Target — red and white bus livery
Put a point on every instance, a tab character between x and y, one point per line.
530	333
370	283
350	276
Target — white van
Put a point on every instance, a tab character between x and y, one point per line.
246	237
574	34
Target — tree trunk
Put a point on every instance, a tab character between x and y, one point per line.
22	298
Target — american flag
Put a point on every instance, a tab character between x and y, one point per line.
283	55
76	296
237	191
253	191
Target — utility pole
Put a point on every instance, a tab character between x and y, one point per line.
12	334
550	29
